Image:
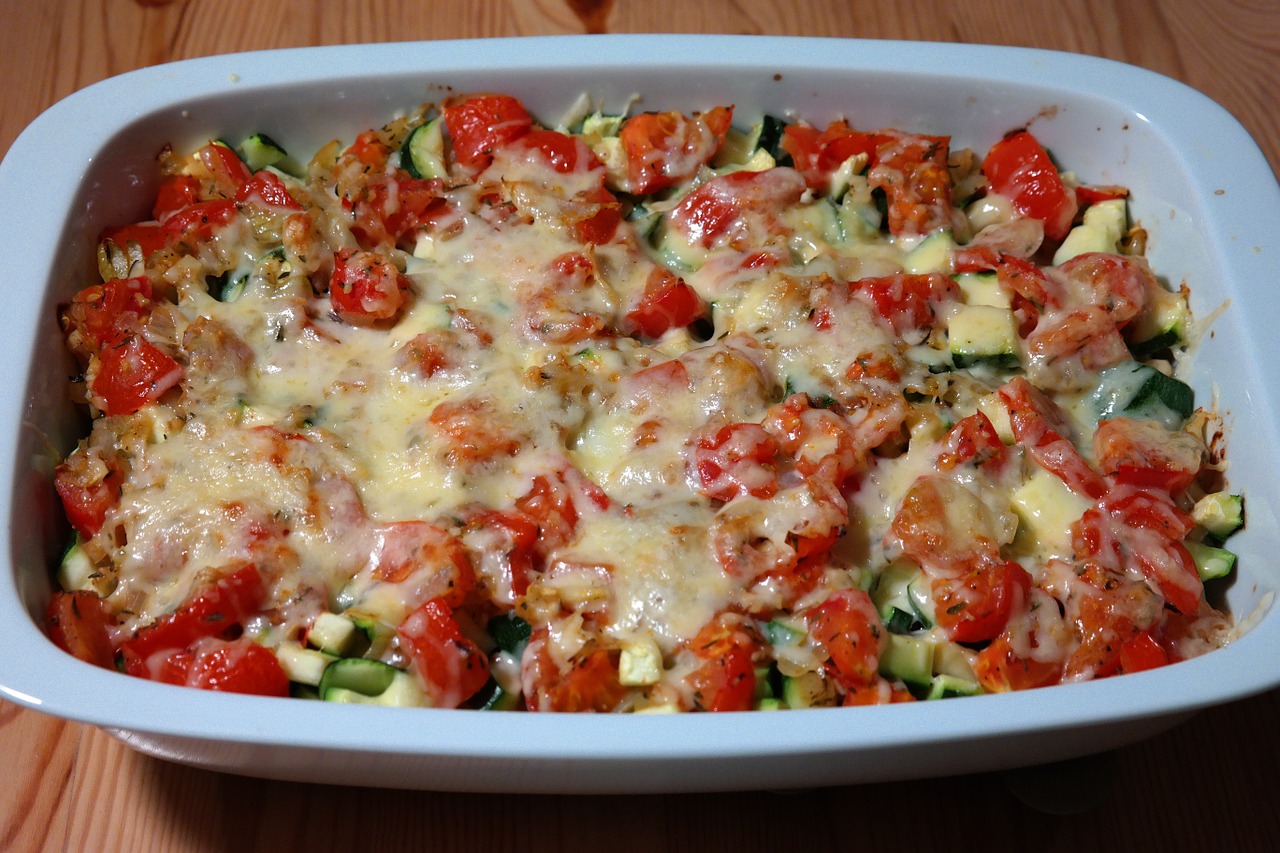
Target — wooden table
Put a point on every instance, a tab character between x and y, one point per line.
1210	784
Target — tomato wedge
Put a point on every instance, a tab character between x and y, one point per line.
479	124
452	667
131	373
1019	168
78	623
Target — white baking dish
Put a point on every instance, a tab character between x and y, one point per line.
1199	184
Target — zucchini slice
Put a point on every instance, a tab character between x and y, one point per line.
422	154
1134	390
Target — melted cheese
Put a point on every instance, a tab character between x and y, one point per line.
504	381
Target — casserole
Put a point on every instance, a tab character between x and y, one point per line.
1167	144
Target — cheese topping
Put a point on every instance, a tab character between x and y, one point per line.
625	451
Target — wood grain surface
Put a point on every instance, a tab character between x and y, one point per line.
1210	784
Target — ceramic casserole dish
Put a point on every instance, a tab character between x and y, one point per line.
1198	183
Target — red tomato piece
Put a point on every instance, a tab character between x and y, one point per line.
79	623
103	313
976	606
726	680
404	549
265	188
600	227
973	439
1120	284
88	492
555	502
565	154
450	665
506	539
817	439
847	626
667	303
1145	454
1000	669
1142	652
1040	425
198	222
1018	168
473	434
818	154
391	210
739	207
938	527
175	193
734	460
664	149
908	302
148	235
589	684
366	288
133	372
1021	277
227	666
480	123
1142	530
370	150
213	609
912	171
225	167
1108	611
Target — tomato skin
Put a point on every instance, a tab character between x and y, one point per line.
365	288
102	313
197	223
846	624
133	372
590	684
1018	168
667	303
175	193
908	302
79	623
818	154
973	439
214	609
405	547
509	538
1000	669
390	210
976	606
480	123
370	150
227	666
726	680
734	460
267	189
86	503
452	667
225	168
1040	425
664	149
1142	652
